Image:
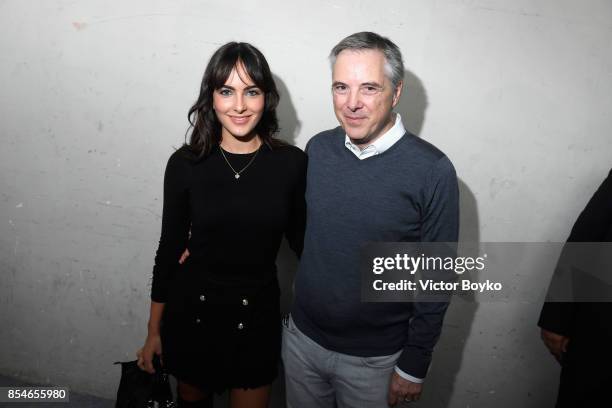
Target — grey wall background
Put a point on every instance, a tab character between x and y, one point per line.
94	99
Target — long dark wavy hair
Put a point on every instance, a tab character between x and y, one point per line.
205	127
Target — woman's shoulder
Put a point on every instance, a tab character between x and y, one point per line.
291	155
184	155
288	150
182	159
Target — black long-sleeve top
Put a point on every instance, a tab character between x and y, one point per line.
232	227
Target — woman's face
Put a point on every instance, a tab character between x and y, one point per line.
239	104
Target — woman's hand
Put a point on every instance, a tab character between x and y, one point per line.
145	354
184	256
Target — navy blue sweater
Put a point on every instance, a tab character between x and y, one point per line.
407	193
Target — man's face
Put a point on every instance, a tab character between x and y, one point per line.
363	95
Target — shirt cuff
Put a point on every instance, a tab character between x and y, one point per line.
408	376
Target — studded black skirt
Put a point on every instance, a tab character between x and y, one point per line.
218	337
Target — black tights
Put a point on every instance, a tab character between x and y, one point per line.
203	403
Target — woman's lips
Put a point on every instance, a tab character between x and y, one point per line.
239	120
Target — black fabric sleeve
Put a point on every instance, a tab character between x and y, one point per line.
557	317
175	225
297	219
591	226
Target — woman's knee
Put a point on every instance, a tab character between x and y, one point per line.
250	398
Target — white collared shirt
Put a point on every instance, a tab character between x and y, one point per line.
388	139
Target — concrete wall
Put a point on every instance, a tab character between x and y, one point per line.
94	99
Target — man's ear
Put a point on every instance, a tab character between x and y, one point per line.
397	92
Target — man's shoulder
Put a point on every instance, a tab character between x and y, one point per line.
423	149
325	138
423	160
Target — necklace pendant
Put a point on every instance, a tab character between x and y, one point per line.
237	176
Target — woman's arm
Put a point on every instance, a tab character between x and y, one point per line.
152	344
175	225
297	219
173	241
155	315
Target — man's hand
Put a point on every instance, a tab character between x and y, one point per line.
184	256
556	343
403	390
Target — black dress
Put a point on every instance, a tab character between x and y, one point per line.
221	323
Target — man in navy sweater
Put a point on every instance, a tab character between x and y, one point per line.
368	181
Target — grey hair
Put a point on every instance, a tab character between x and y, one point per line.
366	40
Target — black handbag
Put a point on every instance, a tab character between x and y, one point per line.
139	389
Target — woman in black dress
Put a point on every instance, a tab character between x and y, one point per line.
229	196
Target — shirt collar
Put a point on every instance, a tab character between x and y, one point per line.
384	142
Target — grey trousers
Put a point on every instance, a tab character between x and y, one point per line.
319	378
